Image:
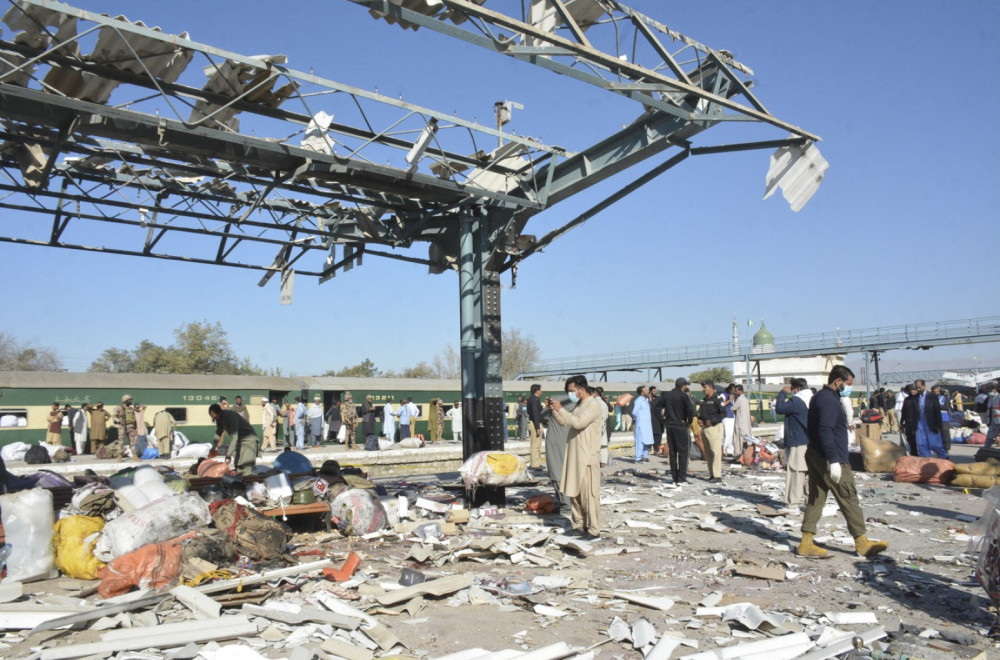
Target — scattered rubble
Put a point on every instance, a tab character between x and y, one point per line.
704	571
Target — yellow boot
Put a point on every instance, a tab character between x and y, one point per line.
868	548
807	548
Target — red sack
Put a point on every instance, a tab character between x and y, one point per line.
153	565
209	468
624	399
976	439
540	504
916	470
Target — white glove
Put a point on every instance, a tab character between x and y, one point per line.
835	472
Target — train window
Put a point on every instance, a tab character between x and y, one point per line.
180	414
12	418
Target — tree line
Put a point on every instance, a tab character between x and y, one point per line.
204	348
519	352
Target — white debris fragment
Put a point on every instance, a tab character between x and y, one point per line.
546	610
851	618
643	634
619	631
642	524
661	603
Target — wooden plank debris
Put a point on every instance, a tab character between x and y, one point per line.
163	636
211	588
381	635
776	573
661	603
342	649
197	602
438	587
22	616
300	615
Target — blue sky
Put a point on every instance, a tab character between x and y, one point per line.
902	94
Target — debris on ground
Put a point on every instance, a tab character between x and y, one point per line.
232	569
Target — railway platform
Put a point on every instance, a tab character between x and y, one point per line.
396	462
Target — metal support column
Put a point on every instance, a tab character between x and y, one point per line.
878	378
868	382
482	383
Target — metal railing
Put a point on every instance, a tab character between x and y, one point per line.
913	335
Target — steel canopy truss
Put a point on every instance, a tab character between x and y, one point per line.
250	163
131	114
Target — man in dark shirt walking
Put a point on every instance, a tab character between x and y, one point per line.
535	425
243	439
829	469
678	410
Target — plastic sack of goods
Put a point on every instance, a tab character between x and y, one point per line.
493	468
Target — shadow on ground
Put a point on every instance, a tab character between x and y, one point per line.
917	589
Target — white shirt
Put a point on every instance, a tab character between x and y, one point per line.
455	415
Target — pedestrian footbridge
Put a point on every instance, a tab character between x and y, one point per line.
868	341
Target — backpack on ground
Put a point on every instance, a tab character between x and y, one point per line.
255	535
37	455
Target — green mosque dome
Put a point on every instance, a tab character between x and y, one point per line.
763	337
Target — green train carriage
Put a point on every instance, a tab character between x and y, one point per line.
26	397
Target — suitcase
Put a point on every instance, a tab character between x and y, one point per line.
871	416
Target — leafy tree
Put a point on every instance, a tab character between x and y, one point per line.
364	369
519	353
203	348
422	370
150	358
22	356
200	348
114	360
714	374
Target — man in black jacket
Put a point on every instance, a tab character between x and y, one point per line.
678	411
922	422
535	425
711	412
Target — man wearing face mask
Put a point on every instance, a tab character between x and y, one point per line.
581	473
829	469
922	417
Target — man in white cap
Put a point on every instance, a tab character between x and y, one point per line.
270	416
315	417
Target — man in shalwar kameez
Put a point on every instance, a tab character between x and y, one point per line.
581	476
643	428
389	420
922	412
